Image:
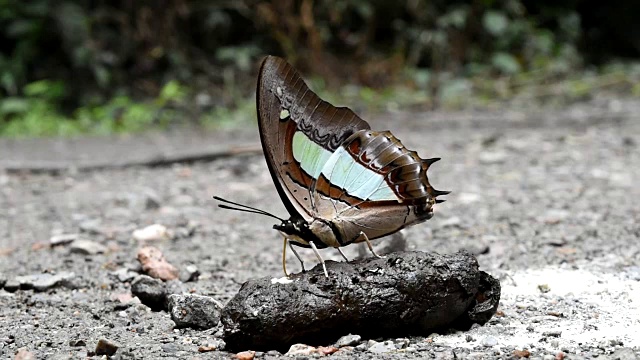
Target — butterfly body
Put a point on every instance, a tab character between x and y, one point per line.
340	181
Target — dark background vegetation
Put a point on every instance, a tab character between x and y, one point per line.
98	66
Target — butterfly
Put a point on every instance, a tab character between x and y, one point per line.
341	182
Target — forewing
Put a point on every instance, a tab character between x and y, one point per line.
298	131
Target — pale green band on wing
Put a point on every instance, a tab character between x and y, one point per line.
340	169
310	155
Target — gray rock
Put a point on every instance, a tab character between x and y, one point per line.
150	291
3	280
152	200
92	226
382	347
624	353
492	157
124	274
87	247
348	340
106	347
41	282
12	285
62	239
489	341
189	273
194	311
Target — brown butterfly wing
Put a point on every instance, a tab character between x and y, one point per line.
286	105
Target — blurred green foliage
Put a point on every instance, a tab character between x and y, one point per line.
78	66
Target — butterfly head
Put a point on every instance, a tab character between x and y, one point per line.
293	227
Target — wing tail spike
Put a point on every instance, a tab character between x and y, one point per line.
440	201
440	192
428	162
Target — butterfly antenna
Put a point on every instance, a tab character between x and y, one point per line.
243	208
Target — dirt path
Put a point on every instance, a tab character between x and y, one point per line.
547	199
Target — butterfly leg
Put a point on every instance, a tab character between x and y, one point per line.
343	255
366	239
315	250
284	256
298	256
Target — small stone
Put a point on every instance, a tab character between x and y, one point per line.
544	288
216	344
555	216
150	291
87	247
152	200
169	348
488	157
92	226
24	354
12	285
362	347
382	347
489	341
155	265
77	343
552	333
153	232
194	311
401	343
624	353
106	347
124	274
348	340
300	350
62	239
521	353
189	273
246	355
42	282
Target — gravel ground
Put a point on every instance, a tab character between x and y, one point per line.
547	199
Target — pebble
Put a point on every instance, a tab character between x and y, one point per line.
124	274
301	350
40	282
77	343
348	340
194	311
489	341
92	226
150	291
155	265
245	355
490	157
382	347
62	239
24	354
106	347
624	353
215	344
152	199
87	247
552	333
153	232
189	273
